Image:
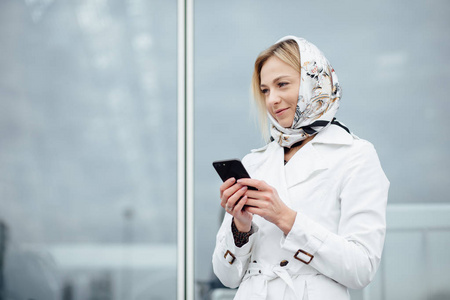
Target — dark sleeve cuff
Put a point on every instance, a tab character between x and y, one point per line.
240	238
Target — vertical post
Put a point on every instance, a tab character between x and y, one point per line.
3	242
181	159
426	260
127	241
185	164
190	149
383	278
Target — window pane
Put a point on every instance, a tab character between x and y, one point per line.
392	62
88	149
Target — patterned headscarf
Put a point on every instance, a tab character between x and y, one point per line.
318	98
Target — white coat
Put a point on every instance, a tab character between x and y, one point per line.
339	190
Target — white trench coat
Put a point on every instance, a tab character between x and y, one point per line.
339	190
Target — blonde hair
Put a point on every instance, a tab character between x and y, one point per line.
288	52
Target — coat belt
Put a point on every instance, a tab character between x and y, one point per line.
264	273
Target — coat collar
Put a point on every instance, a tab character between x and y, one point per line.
307	161
334	134
269	166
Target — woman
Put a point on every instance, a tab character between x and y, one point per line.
315	226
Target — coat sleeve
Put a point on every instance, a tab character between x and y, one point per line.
229	261
352	255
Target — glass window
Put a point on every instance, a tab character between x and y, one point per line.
391	61
88	131
88	149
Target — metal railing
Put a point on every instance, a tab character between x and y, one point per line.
415	263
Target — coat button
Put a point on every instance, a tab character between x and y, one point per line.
283	263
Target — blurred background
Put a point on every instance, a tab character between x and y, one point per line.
88	135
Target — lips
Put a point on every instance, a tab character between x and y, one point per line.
280	111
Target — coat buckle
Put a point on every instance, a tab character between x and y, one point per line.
305	253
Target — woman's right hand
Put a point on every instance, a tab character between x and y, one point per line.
230	193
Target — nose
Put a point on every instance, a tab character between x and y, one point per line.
273	98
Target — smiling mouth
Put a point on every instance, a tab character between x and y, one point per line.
280	111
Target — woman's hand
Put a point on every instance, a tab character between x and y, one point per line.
266	203
230	193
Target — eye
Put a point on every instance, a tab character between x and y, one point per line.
282	84
264	91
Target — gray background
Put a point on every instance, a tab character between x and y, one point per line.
393	62
88	119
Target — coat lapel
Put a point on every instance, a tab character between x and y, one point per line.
303	164
272	171
307	161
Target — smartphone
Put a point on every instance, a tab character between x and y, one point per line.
231	168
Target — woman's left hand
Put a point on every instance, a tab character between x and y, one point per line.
266	203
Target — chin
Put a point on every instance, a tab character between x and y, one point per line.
285	124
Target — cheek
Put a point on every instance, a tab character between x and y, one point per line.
293	99
266	104
295	93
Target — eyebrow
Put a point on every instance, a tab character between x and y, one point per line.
275	79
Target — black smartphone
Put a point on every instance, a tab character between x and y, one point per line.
231	168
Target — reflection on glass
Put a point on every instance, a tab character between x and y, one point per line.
385	95
88	150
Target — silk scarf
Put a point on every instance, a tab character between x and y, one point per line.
318	97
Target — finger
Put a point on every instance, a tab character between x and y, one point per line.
252	194
227	183
240	205
253	210
229	192
232	201
253	202
258	184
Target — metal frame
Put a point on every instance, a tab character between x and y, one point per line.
421	218
185	164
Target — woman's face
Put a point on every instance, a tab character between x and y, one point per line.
280	85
